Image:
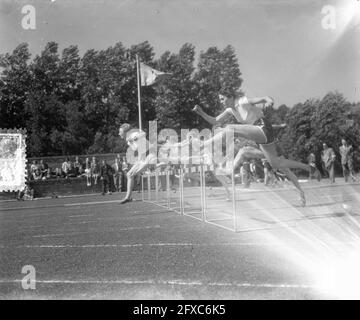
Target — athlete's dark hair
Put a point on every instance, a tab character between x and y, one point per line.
126	127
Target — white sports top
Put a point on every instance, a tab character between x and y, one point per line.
246	112
134	136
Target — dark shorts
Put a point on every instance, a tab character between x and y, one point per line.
267	129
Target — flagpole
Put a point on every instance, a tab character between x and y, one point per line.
139	91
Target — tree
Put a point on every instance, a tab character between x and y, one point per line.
175	99
218	72
43	106
296	138
14	86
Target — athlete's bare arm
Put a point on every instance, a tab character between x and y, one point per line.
212	120
268	101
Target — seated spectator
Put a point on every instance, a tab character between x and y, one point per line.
26	194
33	167
71	172
44	168
37	175
78	168
58	173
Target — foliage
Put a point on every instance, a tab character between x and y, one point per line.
74	104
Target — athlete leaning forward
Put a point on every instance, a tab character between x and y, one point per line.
252	125
158	156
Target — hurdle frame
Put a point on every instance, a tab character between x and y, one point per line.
233	218
181	209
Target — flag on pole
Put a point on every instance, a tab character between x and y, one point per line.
149	75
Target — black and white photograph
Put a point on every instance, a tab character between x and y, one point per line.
179	150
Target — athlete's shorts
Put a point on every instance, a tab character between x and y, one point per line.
267	129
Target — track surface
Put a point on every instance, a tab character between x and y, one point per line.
90	247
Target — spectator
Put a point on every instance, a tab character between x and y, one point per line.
44	168
71	172
117	176
88	172
37	175
328	158
26	194
253	172
346	153
268	172
313	169
245	174
125	169
33	167
66	166
95	170
58	173
78	168
106	176
41	165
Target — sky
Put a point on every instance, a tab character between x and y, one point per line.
282	46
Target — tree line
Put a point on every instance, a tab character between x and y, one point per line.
72	104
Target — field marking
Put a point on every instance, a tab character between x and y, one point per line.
140	245
61	205
94	231
81	215
171	282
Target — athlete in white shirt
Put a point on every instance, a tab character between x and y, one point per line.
253	126
169	154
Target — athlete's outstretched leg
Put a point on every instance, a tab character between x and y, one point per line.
246	153
280	162
284	165
137	169
292	177
225	181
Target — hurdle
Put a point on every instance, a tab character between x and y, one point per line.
187	199
221	216
151	192
183	202
194	201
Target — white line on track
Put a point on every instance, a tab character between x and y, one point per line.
82	222
81	215
92	231
140	245
59	205
171	282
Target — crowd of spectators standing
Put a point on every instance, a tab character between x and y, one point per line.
256	171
